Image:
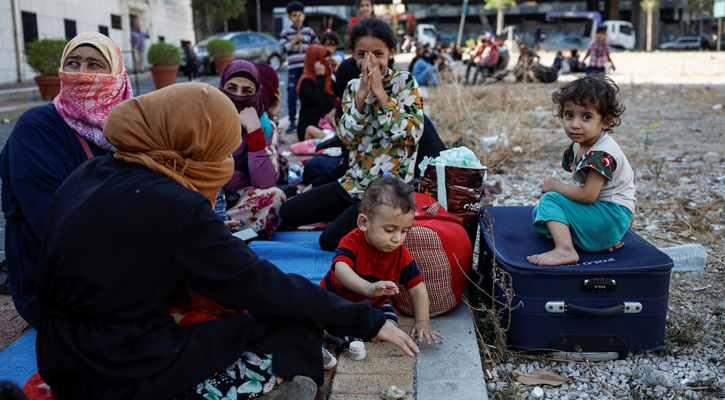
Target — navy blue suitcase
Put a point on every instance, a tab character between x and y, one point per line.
607	302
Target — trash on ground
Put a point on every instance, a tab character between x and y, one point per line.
540	377
392	393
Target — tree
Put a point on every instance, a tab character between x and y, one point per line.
694	11
223	9
649	5
499	5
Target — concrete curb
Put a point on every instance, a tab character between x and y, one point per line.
452	369
21	93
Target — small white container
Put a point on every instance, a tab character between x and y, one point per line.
357	350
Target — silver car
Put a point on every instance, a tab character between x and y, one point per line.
251	46
683	43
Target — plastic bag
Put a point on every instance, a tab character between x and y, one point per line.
460	175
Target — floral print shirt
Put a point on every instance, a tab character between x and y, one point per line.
383	138
607	158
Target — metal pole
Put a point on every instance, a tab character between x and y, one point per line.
259	17
16	37
464	11
719	32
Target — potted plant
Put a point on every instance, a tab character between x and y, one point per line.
222	52
165	59
44	57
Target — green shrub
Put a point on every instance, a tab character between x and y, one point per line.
164	54
44	56
220	48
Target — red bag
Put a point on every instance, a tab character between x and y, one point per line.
441	250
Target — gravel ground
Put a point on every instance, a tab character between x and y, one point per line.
672	133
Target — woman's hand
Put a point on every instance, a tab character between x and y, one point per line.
422	329
381	288
231	224
320	68
276	107
393	334
249	119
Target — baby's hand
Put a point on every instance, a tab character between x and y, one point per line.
423	330
381	288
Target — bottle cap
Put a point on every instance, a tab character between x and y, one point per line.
357	345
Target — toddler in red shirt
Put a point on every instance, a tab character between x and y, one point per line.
372	257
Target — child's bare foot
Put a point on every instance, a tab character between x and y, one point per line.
558	256
616	247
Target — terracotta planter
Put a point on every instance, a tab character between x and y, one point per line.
49	86
164	75
221	63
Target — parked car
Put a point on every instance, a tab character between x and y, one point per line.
683	43
565	43
251	46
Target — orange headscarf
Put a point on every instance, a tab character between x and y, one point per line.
186	132
314	54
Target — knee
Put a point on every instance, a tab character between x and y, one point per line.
550	197
328	241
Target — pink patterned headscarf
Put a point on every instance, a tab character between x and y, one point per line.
86	99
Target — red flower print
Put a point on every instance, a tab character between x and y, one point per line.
568	167
607	161
264	202
589	164
591	153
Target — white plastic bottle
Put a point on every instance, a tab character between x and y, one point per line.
687	257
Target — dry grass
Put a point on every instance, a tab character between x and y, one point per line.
512	120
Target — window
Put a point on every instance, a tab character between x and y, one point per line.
115	21
240	40
625	29
255	39
103	29
30	27
70	29
162	39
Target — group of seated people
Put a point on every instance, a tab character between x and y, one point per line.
484	57
570	64
430	63
119	207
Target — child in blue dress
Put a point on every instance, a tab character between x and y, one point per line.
594	212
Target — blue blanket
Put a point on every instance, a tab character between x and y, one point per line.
292	252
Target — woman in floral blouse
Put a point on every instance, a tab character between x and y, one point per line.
381	124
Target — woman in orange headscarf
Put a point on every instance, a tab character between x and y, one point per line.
47	144
314	89
125	233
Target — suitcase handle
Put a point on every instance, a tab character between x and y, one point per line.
562	307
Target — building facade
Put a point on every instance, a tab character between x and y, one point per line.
23	21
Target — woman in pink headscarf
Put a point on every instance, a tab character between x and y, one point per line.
47	144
